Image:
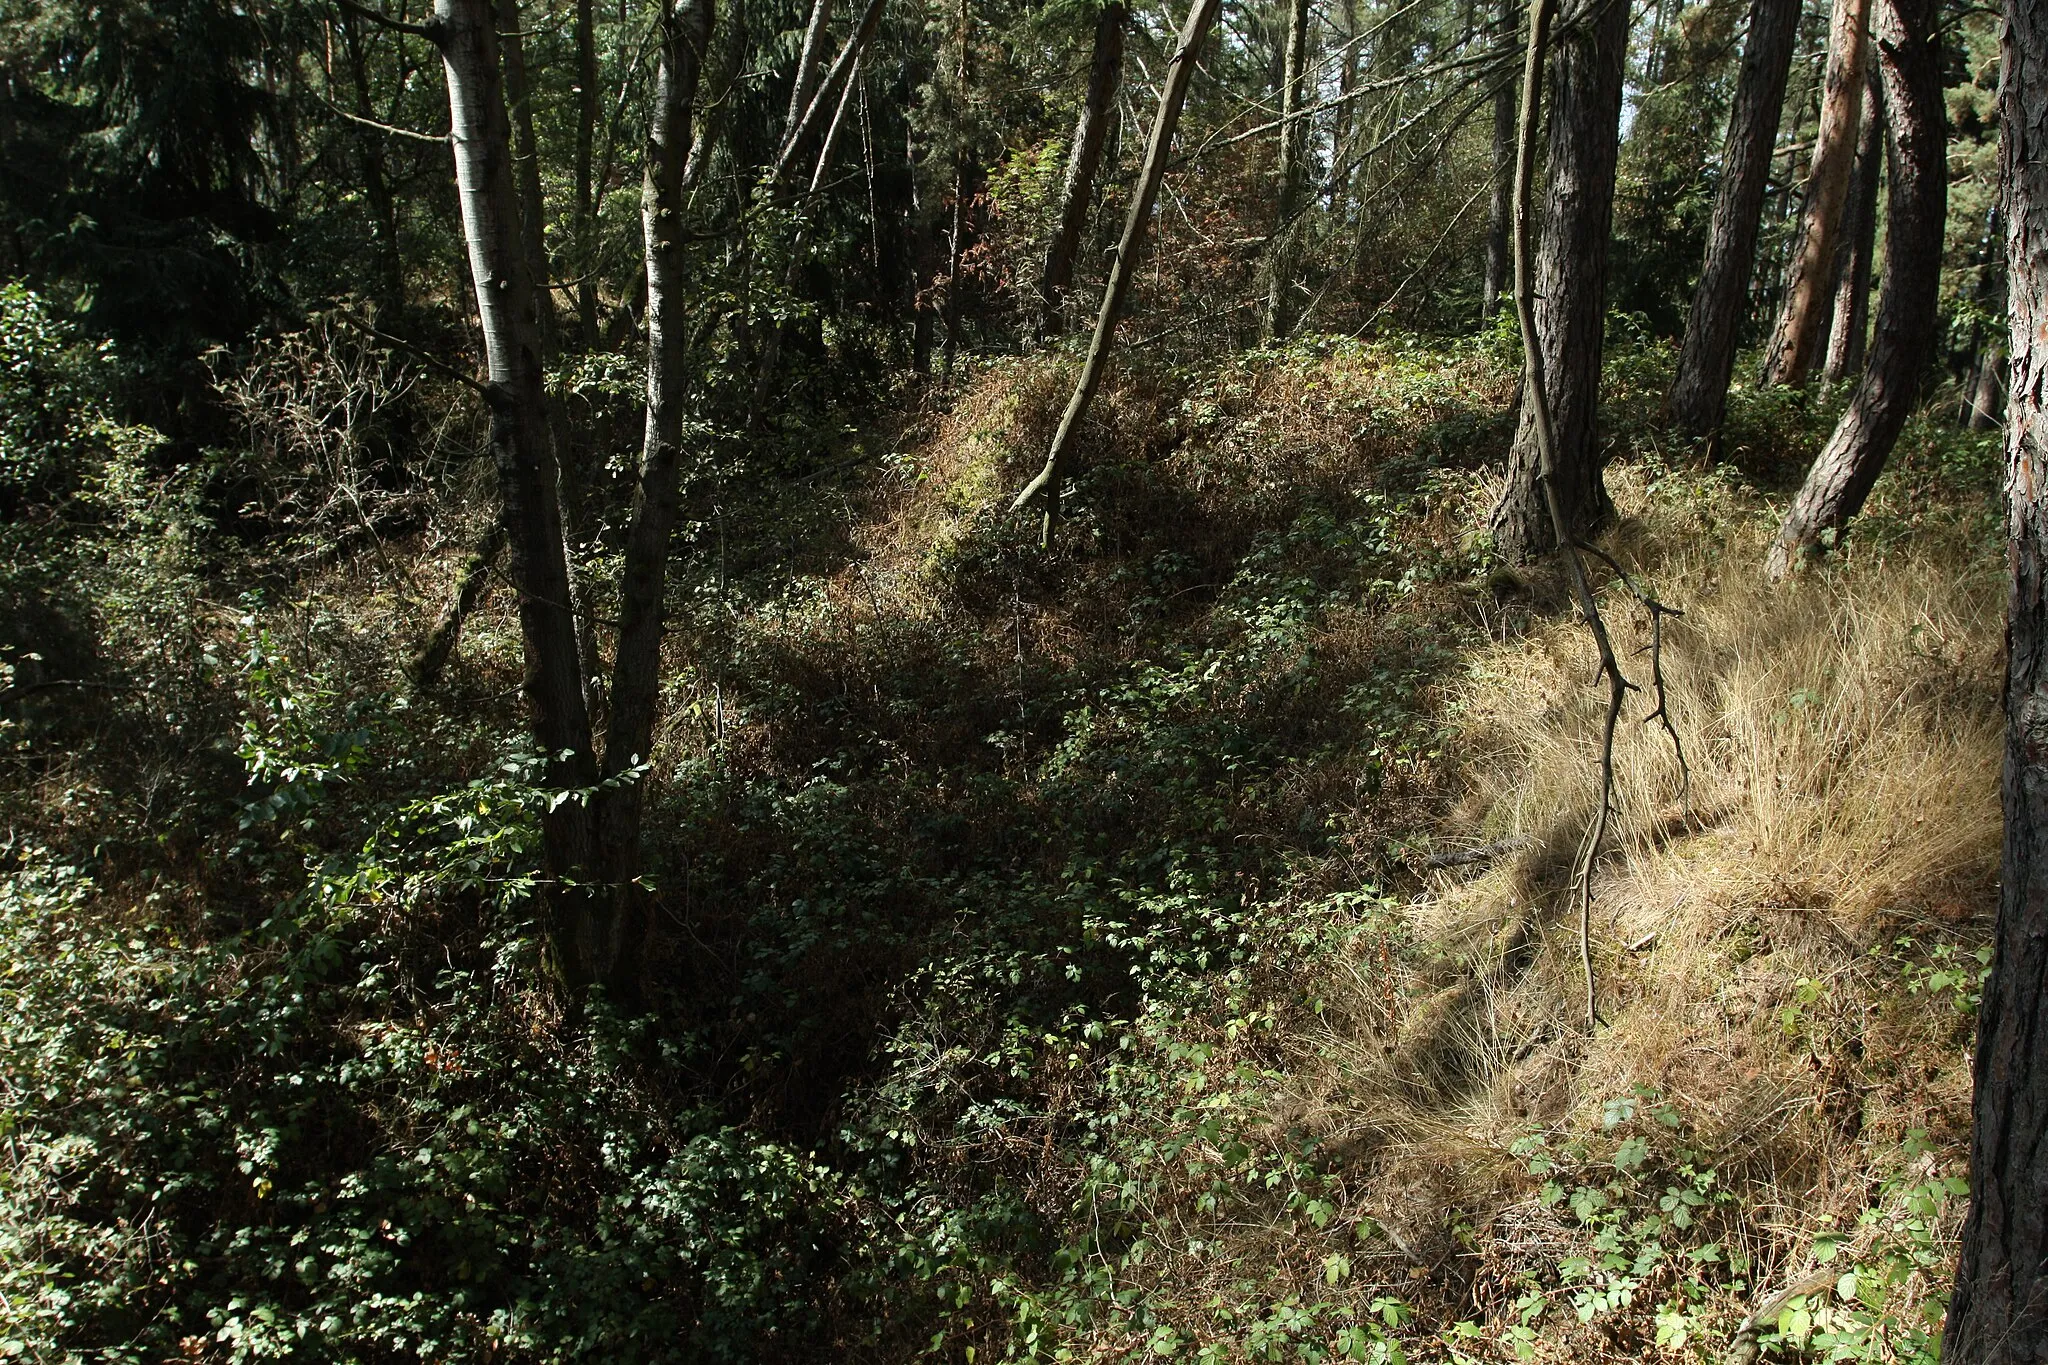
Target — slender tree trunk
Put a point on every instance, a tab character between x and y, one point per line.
1908	297
583	229
465	31
1989	388
427	666
1571	284
1341	126
726	68
376	180
636	671
1809	288
1500	210
533	224
810	58
1173	93
1077	193
1278	319
1706	359
1848	337
781	180
1998	1314
956	241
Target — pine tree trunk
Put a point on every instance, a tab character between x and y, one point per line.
1500	210
1077	192
1173	93
1999	1312
1706	359
1571	283
465	31
1809	288
1908	297
643	579
1278	319
1848	337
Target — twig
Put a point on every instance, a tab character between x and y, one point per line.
437	139
439	367
379	17
1661	713
1618	685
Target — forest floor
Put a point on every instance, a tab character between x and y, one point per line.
1160	945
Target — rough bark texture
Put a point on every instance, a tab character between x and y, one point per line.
1278	318
1500	210
1908	296
1848	336
1809	288
1990	386
1999	1311
1084	156
1180	71
1706	360
1571	283
636	670
480	131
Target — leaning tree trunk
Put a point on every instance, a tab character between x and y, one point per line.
1278	319
1841	477
636	671
1706	360
1500	211
1105	69
1999	1312
1848	336
1809	288
465	31
1173	93
1571	284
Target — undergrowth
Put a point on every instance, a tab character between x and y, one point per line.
1146	949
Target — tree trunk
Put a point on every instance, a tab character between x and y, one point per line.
465	31
636	670
1849	335
533	217
1083	157
1500	211
1999	1312
584	227
427	666
1990	386
956	241
1278	319
804	84
1809	288
1173	93
1706	359
376	180
1908	296
1571	284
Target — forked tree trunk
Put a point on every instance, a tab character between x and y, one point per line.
466	34
1278	318
1706	359
636	670
1077	192
1500	210
1180	72
1908	297
1809	287
1571	284
1999	1311
1849	335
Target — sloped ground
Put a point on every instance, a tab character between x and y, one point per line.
1159	947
